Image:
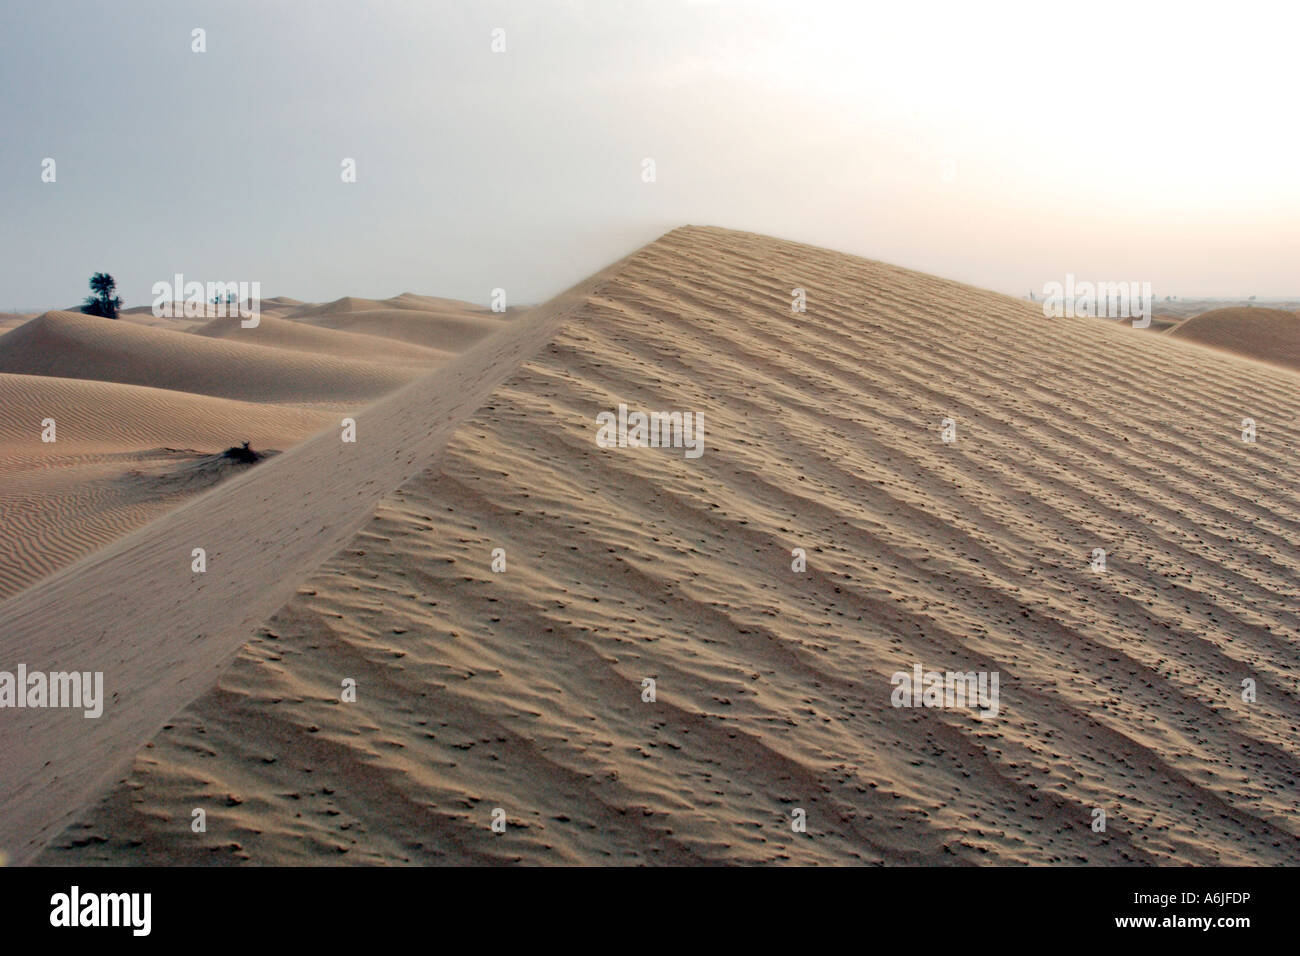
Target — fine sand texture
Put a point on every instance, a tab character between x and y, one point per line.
525	689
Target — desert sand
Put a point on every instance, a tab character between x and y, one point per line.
522	689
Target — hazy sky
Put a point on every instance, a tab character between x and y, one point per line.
1001	144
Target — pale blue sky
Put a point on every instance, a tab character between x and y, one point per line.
997	143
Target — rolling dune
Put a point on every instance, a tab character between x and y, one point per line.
407	300
301	337
349	303
1121	691
451	330
72	345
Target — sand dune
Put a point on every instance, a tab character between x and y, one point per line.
1120	691
1269	335
348	303
176	322
409	301
96	416
149	321
444	324
301	337
449	331
72	345
1162	322
162	633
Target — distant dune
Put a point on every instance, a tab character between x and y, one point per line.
302	337
407	300
72	345
522	689
348	303
1269	335
1162	322
448	330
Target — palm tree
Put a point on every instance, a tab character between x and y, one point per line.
103	302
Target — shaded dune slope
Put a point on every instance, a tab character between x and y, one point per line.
1120	691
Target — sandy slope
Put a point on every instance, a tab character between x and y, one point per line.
522	690
72	345
162	633
1270	335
